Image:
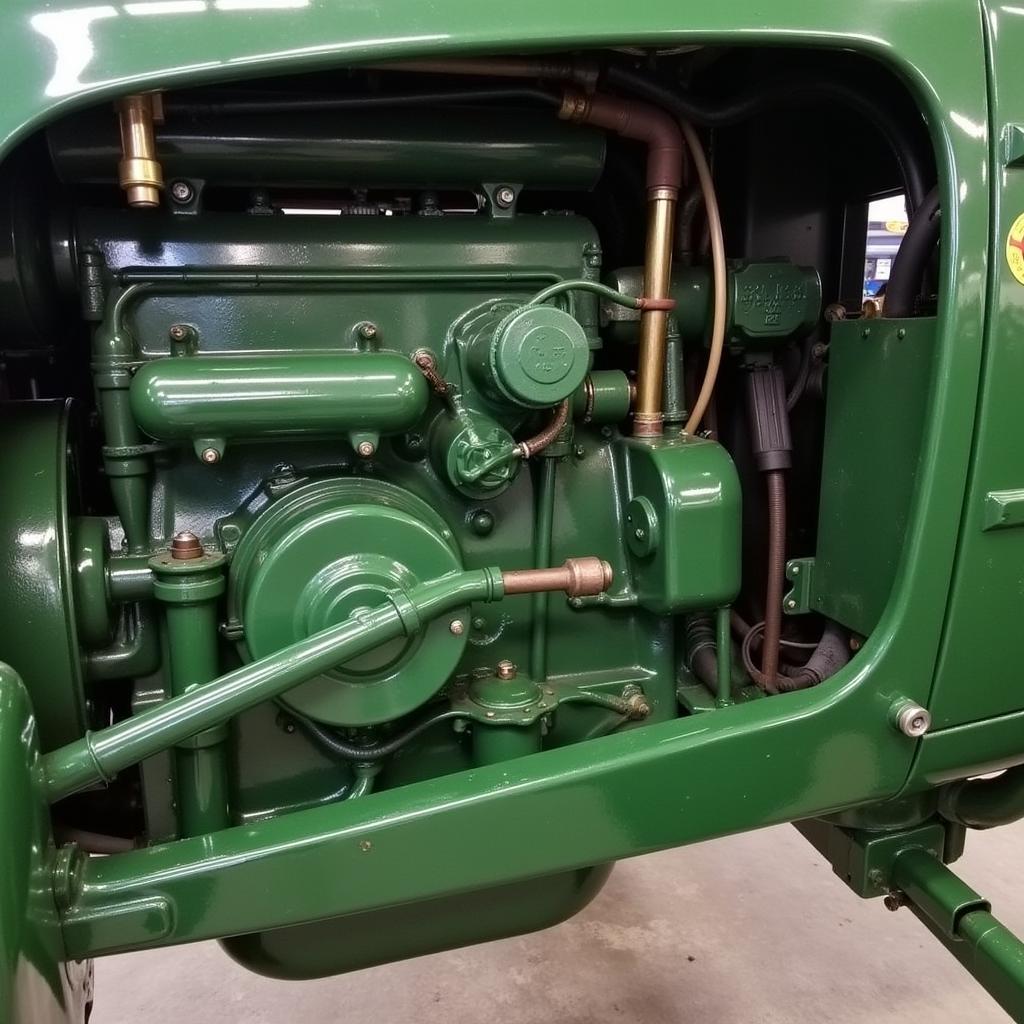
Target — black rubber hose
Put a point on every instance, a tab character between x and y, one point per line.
831	654
911	261
278	103
335	745
701	650
806	89
776	482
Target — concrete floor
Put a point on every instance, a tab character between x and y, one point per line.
754	928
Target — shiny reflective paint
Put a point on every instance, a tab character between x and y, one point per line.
789	757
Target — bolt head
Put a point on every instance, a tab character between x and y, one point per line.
181	192
366	449
506	670
913	721
894	900
210	456
178	332
367	331
456	627
505	196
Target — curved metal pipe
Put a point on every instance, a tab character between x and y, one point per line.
985	803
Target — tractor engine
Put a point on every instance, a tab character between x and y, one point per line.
367	433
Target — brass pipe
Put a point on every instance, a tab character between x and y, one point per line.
139	171
578	577
661	134
648	415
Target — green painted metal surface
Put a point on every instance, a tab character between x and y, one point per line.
987	604
879	383
256	396
471	827
682	524
36	572
332	549
35	986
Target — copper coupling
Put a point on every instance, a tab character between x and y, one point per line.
139	171
578	577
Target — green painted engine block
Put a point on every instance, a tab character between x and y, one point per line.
436	468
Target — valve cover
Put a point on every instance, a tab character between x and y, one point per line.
334	548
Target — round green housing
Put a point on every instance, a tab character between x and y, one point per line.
538	356
336	548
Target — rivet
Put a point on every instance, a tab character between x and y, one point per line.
365	845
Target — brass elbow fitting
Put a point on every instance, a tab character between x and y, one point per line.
139	171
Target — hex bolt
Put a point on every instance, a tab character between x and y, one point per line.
367	331
911	719
210	456
505	196
178	332
791	604
894	900
506	669
456	627
186	545
366	449
181	192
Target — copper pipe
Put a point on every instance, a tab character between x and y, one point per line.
540	440
139	171
582	72
578	577
660	132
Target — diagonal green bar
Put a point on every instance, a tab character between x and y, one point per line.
99	756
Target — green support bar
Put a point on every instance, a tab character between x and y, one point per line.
963	922
99	756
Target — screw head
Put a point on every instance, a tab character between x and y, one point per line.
178	332
365	449
181	192
913	720
186	545
210	456
456	627
368	331
505	196
506	670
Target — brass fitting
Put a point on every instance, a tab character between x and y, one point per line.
578	577
139	171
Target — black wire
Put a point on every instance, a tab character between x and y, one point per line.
806	89
335	745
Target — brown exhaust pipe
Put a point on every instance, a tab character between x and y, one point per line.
659	131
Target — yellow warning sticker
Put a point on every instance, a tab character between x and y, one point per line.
1015	249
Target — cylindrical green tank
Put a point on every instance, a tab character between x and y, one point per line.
190	397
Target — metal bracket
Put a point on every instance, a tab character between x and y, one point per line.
799	572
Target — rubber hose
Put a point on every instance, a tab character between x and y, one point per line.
831	654
808	89
911	261
769	675
701	650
